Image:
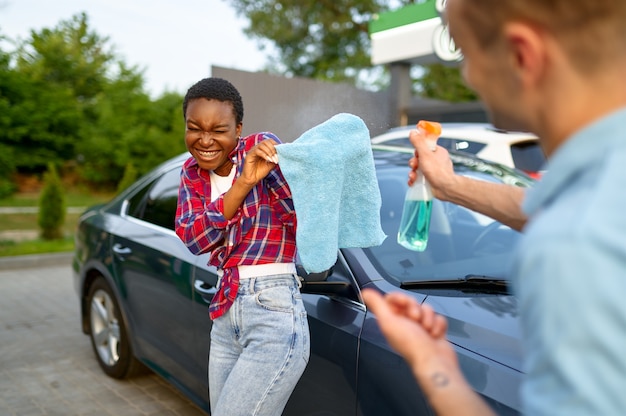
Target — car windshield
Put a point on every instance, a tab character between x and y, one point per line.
461	242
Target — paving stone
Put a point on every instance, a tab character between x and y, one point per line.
47	365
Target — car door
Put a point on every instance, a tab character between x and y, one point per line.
386	384
204	288
155	271
329	383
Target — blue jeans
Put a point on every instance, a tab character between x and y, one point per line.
259	348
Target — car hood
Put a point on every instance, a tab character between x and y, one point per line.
487	325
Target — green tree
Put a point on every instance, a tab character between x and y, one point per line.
7	169
329	40
127	128
66	98
130	176
70	55
322	39
444	83
52	209
49	83
8	79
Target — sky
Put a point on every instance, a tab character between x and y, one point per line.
174	41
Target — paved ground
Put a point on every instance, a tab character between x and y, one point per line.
47	366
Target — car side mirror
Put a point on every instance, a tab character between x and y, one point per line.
320	284
313	277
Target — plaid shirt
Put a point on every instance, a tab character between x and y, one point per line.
262	231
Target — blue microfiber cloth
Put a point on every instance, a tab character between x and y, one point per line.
330	171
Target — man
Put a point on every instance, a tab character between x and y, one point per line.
555	68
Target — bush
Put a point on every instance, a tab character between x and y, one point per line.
51	206
7	169
130	176
7	188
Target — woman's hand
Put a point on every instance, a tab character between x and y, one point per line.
259	161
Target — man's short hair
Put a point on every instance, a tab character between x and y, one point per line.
591	31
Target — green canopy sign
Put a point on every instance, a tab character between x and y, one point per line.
415	33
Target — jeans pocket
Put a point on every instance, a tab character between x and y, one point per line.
277	298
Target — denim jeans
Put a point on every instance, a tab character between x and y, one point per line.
259	348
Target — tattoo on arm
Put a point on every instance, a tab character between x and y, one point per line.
440	379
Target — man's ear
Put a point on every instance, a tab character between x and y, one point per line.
528	52
239	129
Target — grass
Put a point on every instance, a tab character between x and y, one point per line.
25	224
73	198
38	246
28	222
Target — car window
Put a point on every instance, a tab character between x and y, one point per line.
457	145
461	241
156	202
136	202
528	156
461	145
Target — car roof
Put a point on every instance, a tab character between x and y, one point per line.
386	157
480	132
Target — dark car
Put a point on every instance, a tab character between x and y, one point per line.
144	296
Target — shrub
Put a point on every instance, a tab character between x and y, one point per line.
51	206
7	169
130	176
7	187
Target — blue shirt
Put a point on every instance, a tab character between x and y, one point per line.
570	277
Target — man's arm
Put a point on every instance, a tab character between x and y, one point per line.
498	201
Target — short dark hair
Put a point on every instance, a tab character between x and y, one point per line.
215	89
592	32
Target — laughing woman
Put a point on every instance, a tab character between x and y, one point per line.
235	203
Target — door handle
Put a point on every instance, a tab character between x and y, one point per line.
121	251
204	289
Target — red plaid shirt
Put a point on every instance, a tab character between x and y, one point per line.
262	231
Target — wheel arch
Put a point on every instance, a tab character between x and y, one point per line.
91	272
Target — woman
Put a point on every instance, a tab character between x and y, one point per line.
235	203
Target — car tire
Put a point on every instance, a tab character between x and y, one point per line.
108	333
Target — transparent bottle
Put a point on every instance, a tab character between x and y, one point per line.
415	222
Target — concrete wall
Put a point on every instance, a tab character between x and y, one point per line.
290	106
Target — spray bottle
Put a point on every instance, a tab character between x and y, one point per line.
415	222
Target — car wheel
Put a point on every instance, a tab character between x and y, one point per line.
107	330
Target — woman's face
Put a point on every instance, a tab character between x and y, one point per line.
211	133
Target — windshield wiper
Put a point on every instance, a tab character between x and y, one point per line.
471	283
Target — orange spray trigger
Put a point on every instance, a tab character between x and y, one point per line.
430	127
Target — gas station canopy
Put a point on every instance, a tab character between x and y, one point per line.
414	34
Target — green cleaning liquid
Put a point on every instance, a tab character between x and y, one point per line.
415	222
414	226
418	201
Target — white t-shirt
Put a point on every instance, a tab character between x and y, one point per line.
221	184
